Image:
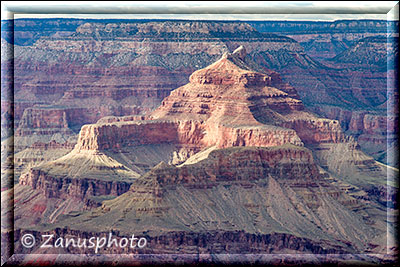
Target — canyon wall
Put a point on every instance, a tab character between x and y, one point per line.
74	66
82	189
114	136
240	164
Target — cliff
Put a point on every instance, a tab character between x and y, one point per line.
323	40
75	68
239	164
224	153
231	94
185	243
79	176
374	51
226	104
317	130
375	133
82	189
277	189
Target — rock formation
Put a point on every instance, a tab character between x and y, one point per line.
201	114
73	65
326	40
224	153
259	190
231	161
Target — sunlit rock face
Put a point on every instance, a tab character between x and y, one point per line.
232	141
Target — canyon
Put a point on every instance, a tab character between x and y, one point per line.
324	40
159	127
230	157
92	54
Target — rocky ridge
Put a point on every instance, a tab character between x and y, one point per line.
222	106
201	196
225	104
95	53
234	132
228	132
190	130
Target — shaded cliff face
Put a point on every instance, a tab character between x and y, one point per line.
371	52
375	133
54	119
322	40
80	189
261	191
239	164
360	56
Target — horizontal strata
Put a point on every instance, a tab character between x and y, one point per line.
101	175
164	46
255	189
238	164
117	135
65	187
80	175
225	92
206	242
229	93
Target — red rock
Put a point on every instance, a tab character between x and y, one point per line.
224	105
317	130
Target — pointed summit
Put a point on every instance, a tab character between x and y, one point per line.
231	69
229	91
